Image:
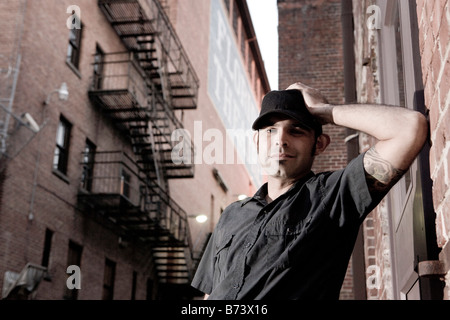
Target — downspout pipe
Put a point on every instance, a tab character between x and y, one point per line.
358	263
349	70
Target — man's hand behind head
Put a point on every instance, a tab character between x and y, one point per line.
316	103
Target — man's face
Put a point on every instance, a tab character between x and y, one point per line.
286	148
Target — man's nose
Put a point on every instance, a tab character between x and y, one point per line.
282	137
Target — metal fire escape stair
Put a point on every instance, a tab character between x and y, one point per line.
16	130
157	79
122	197
146	30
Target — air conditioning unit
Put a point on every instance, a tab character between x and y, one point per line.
20	285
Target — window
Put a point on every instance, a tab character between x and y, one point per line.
125	180
133	286
88	165
47	247
108	279
98	68
149	289
235	20
400	76
61	156
73	50
73	258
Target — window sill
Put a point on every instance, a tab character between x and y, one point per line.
74	69
61	175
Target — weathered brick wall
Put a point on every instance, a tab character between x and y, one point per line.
375	227
434	22
29	188
310	41
34	198
434	26
11	20
311	51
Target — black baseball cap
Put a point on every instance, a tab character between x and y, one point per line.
289	103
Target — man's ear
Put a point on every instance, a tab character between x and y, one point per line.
323	141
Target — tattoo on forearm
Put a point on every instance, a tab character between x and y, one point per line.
380	174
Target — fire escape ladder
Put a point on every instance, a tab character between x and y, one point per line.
126	95
172	249
15	130
144	109
146	30
8	81
116	191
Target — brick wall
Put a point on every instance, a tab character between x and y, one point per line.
310	40
30	205
375	227
310	51
10	24
434	26
34	198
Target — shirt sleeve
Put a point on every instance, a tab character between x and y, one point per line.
345	193
203	278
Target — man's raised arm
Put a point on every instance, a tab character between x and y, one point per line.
401	133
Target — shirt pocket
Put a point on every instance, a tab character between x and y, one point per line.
279	236
220	257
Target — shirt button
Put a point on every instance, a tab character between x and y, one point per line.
236	286
248	245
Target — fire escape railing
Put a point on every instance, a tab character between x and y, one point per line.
120	87
140	90
146	30
113	187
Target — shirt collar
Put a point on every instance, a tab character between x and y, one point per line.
261	194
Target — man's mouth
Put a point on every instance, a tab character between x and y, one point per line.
281	156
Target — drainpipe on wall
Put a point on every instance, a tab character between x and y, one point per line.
358	263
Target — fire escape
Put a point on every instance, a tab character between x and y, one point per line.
16	130
140	90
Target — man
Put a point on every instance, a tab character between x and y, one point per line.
293	239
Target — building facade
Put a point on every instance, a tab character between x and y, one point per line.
434	47
405	235
395	53
121	122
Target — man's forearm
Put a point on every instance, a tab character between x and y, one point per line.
380	121
400	132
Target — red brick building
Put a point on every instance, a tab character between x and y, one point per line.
311	51
396	53
110	178
88	181
434	45
402	59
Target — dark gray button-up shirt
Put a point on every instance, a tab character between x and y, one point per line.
297	247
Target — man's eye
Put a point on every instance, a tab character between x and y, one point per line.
270	131
297	132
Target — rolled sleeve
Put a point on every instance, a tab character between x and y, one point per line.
346	194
